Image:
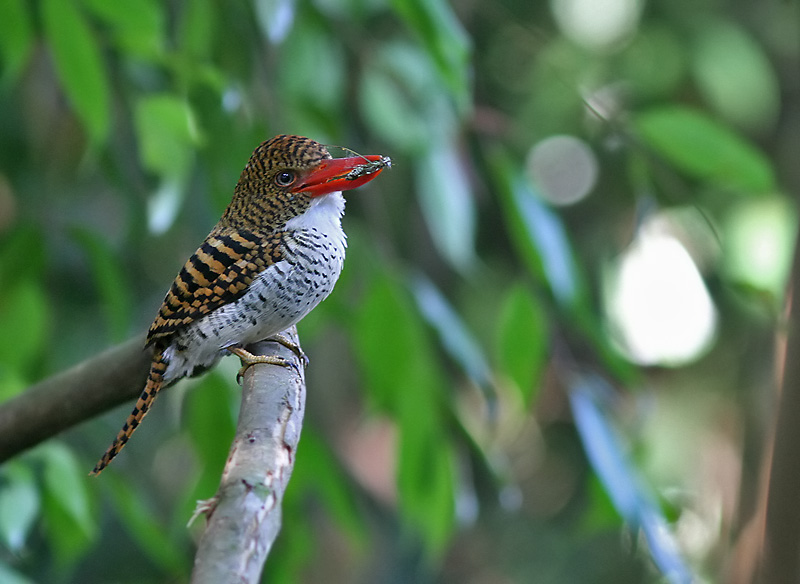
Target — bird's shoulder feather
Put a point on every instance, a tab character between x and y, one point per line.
218	273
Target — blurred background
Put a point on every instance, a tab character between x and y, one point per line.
553	354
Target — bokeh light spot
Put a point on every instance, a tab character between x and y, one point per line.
658	304
597	24
759	238
563	168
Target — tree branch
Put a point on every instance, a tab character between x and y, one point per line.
244	517
72	396
780	551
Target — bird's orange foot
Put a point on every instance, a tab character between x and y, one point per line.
248	360
292	346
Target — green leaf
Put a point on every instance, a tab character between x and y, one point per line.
601	515
164	204
143	524
613	467
388	97
447	204
66	542
735	75
555	107
211	420
79	65
316	469
385	309
197	28
167	139
137	25
404	101
705	149
22	253
318	55
758	240
19	506
445	40
654	43
110	281
24	309
401	374
542	243
276	18
455	337
426	468
9	576
65	483
16	37
167	134
69	523
25	321
522	342
539	235
11	383
297	547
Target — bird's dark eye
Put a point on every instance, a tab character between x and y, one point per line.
285	178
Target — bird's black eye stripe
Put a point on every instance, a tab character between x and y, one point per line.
285	178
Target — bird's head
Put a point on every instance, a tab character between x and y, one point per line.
286	173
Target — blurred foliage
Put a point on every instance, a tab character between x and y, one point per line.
474	413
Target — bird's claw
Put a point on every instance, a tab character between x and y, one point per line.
248	360
292	346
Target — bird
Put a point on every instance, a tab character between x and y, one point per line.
274	255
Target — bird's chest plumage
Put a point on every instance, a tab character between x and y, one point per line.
280	296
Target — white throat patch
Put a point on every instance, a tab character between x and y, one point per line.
324	215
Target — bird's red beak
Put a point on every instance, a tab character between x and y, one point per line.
342	174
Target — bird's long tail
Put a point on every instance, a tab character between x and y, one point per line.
155	380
